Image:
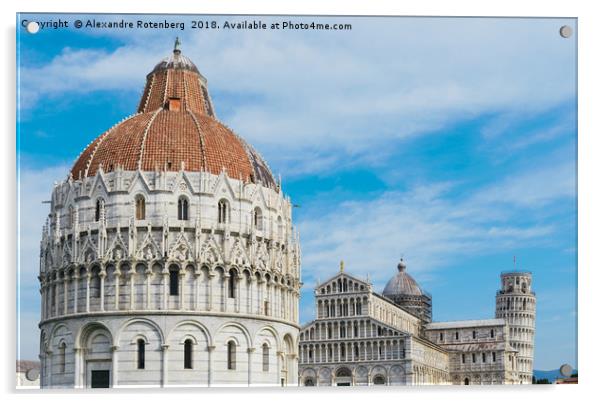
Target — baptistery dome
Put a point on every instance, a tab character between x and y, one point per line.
174	128
169	256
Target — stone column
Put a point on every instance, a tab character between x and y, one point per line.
117	280
65	293
147	281
165	274
102	276
77	375
132	288
237	279
210	349
197	294
88	277
75	289
164	348
114	366
56	294
250	360
181	276
210	276
224	291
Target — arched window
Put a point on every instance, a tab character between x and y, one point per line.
62	356
100	204
232	284
492	333
524	304
188	354
140	354
508	304
474	334
140	207
95	283
266	357
258	218
231	355
222	211
493	357
182	209
174	279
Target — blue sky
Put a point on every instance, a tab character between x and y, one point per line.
451	142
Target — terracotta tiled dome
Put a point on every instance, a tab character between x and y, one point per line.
174	125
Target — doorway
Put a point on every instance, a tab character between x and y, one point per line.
100	378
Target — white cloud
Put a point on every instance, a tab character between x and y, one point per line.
348	92
432	228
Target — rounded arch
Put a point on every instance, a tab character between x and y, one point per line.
126	323
272	331
242	328
194	323
88	329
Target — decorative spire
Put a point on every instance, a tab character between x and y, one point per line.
342	265
176	46
401	266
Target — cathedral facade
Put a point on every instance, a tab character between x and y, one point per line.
169	257
361	337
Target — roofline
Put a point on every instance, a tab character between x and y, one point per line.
507	273
486	322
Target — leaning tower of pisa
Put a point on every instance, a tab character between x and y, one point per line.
515	303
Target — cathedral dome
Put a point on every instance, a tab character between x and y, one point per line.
402	284
174	129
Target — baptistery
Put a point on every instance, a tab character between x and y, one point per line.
169	257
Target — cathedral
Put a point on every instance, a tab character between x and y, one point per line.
169	257
362	337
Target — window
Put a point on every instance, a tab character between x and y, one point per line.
95	283
188	354
174	281
266	357
466	381
456	335
508	304
441	336
474	334
231	355
174	104
266	307
62	355
232	284
474	358
463	358
99	207
493	356
309	382
140	207
141	346
258	219
524	304
483	358
222	211
492	334
182	209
